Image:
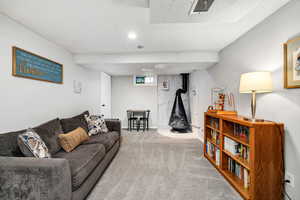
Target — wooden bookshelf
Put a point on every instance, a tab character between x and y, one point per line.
260	147
210	127
236	139
239	160
213	142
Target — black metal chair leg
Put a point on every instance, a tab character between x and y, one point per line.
147	124
130	125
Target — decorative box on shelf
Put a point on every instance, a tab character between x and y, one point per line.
248	154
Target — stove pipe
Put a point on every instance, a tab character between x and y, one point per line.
178	119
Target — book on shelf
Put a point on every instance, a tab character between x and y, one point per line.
213	152
239	171
214	123
246	179
241	132
236	149
210	149
217	157
215	136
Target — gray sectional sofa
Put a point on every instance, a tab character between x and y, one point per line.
65	176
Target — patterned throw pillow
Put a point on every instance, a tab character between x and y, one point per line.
32	145
96	124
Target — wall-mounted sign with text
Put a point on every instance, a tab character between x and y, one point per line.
32	66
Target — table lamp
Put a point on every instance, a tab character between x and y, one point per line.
255	82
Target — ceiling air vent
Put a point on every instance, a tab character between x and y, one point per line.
201	6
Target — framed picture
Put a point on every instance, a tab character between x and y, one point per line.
165	85
292	63
32	66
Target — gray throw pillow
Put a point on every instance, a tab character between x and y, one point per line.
31	145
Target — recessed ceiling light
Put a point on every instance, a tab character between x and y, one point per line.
132	35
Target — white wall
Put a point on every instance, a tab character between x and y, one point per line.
166	99
200	99
258	50
126	96
26	102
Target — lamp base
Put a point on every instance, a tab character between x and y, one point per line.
253	120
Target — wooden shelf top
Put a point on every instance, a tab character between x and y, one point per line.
241	161
239	119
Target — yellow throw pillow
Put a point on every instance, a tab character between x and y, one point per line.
71	140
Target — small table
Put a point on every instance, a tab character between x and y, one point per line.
138	117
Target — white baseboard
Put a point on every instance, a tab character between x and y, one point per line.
152	127
199	135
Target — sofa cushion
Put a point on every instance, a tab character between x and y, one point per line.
9	145
71	140
114	135
49	132
107	139
82	161
70	124
113	125
101	139
83	120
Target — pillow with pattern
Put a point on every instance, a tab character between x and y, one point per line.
31	145
96	124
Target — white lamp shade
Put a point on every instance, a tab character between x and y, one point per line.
260	82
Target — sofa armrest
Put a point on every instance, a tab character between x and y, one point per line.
34	178
113	125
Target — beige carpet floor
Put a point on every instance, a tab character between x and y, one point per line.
150	166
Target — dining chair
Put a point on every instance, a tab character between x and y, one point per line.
139	114
144	120
132	120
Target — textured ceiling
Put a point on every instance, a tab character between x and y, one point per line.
95	26
101	26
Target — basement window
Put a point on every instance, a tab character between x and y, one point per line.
145	80
149	80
